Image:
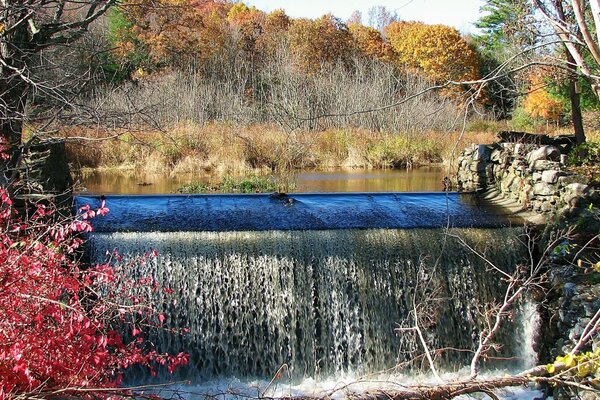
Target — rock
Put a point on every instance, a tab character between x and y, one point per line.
496	156
470	150
518	149
544	165
550	176
543	189
563	159
482	153
565	180
575	194
544	153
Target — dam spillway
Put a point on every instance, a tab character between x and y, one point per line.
308	211
318	283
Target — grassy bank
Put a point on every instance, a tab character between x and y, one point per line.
225	149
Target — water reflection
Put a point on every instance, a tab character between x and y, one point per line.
426	179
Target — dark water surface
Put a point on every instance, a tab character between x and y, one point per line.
426	179
296	211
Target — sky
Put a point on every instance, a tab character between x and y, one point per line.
458	13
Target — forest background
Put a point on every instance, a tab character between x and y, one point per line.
219	87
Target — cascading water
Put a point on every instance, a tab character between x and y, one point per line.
323	302
318	282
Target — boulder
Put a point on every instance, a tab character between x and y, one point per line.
550	176
544	153
544	189
544	165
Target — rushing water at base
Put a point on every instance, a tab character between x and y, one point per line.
425	179
326	302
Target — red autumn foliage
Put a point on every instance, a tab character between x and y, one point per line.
58	322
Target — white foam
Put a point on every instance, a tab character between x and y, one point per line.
331	388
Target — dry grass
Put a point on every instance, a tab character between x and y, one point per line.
224	148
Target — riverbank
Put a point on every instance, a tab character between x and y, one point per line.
226	149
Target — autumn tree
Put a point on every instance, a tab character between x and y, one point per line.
248	24
369	42
179	32
438	52
539	102
274	32
321	41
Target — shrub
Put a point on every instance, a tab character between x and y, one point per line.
585	154
62	324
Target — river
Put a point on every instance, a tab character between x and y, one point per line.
425	179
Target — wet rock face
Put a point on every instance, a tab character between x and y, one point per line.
531	174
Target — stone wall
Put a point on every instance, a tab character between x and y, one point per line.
533	175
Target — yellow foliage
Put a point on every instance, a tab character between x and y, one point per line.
581	366
370	43
437	51
315	42
539	103
237	9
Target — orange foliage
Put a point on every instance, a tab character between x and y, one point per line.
249	25
439	52
178	31
275	29
539	103
369	42
317	42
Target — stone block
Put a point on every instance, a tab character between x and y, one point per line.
575	194
545	165
550	176
566	180
544	189
544	153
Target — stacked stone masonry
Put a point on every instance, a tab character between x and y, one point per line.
531	174
534	176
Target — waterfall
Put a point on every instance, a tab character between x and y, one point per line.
323	302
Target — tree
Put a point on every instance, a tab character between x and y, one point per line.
180	33
274	32
379	17
539	103
26	29
577	35
439	52
515	23
369	42
507	25
314	43
249	26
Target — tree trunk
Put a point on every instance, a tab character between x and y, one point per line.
14	89
575	103
573	94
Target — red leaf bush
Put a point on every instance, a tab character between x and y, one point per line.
61	324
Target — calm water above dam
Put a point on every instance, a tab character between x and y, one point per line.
425	179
